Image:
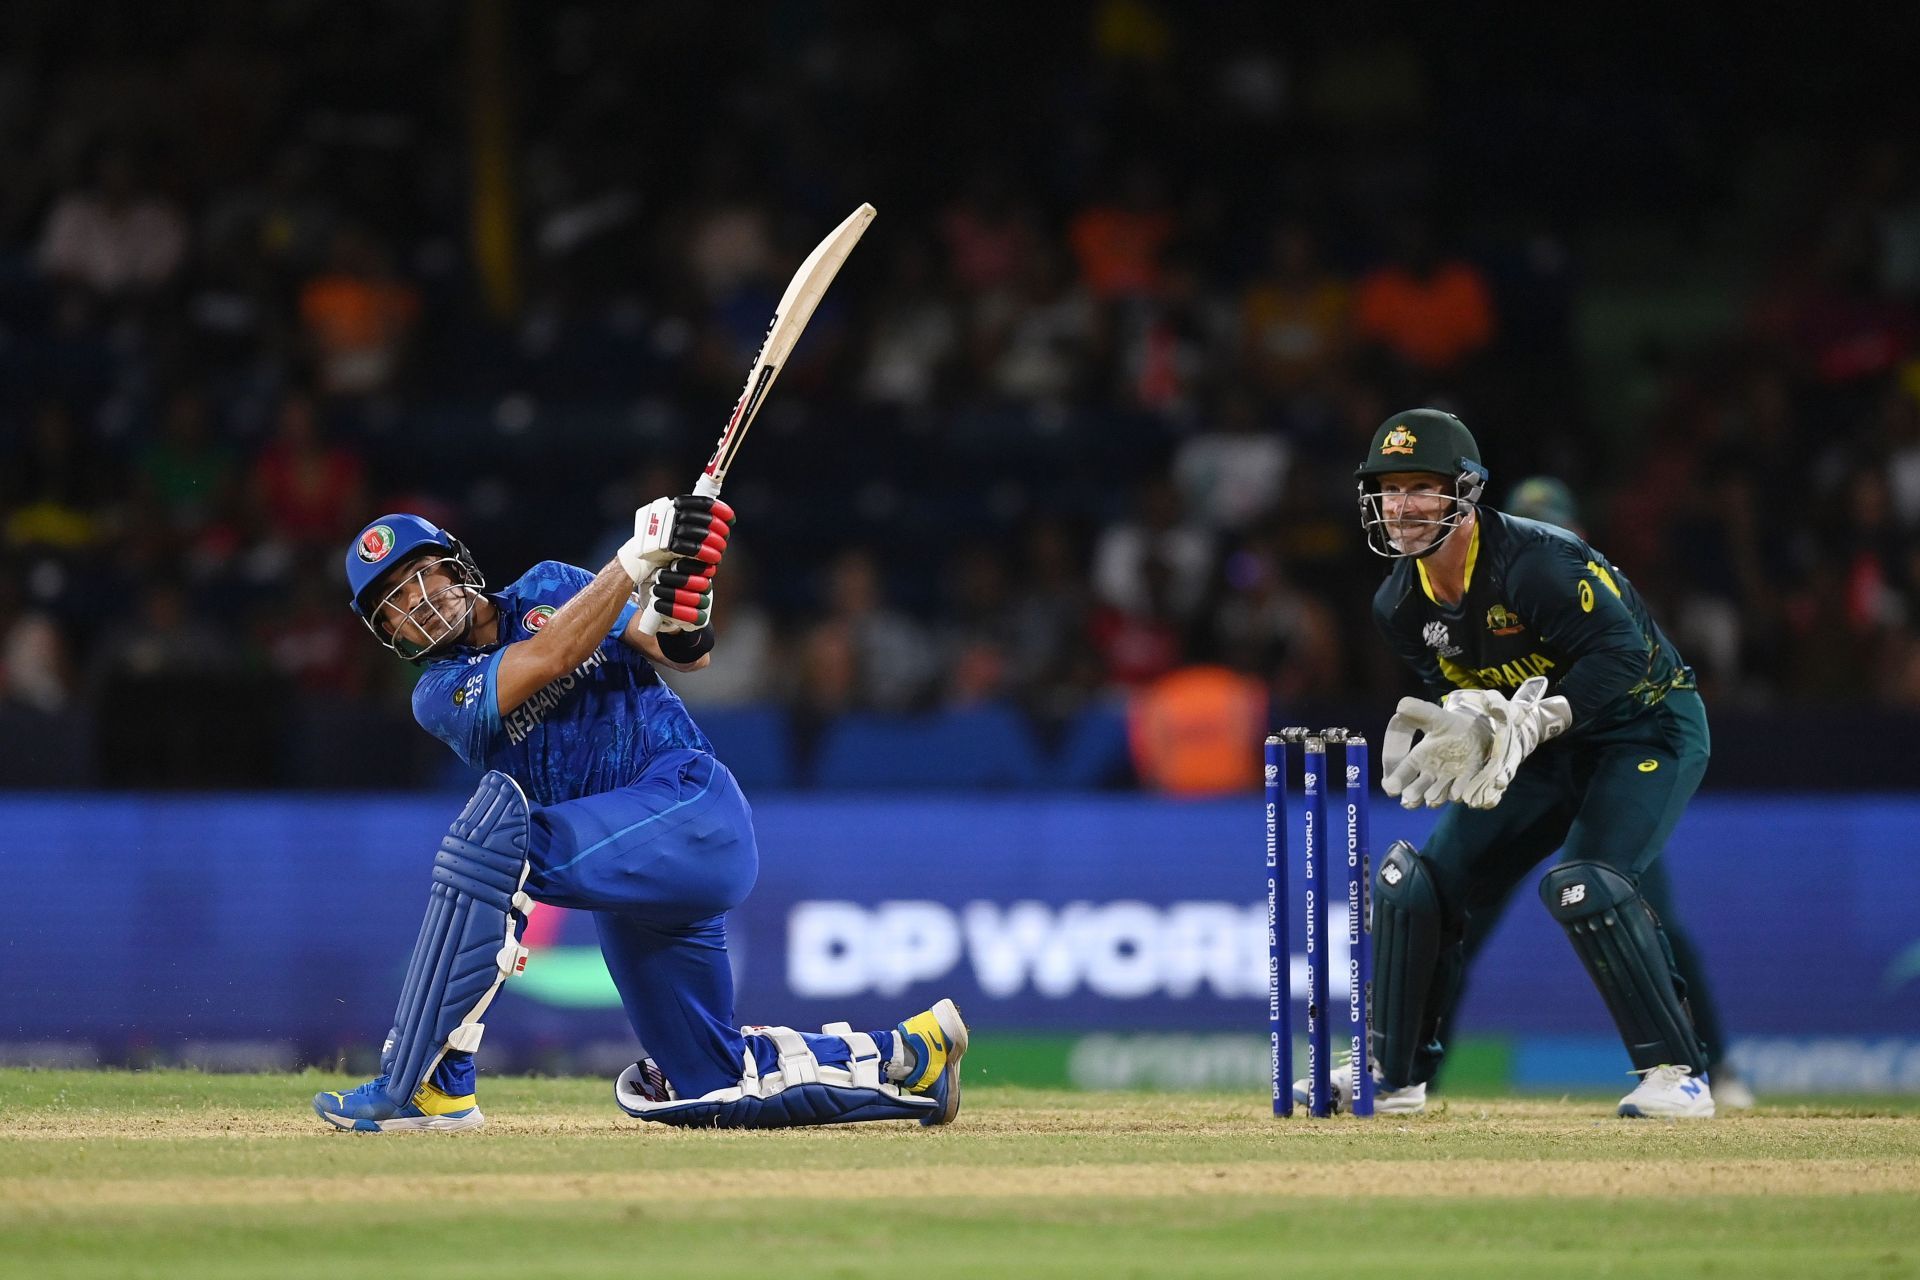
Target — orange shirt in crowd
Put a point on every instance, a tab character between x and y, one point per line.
1432	322
1197	731
357	326
1119	250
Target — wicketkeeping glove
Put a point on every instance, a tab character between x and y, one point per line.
1455	745
1520	724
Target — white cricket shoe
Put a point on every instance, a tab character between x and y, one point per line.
1669	1093
1408	1101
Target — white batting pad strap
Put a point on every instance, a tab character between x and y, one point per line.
797	1063
465	1038
864	1065
865	1068
511	958
749	1073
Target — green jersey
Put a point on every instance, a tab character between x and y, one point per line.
1538	602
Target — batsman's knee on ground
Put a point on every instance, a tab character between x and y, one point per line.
919	1081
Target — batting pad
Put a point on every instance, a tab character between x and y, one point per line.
1416	960
800	1092
469	943
1625	951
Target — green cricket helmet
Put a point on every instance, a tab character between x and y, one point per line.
1543	498
1428	440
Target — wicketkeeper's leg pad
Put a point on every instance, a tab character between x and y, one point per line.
1416	959
1618	938
802	1091
470	941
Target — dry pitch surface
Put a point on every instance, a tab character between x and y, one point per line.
179	1174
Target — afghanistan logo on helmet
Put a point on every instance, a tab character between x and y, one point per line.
375	543
537	617
1399	440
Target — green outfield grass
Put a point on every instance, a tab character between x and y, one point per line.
174	1173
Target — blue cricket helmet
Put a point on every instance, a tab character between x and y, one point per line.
388	540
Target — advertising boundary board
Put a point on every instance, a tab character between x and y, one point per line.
270	930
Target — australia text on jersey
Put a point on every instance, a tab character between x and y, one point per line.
1508	675
522	719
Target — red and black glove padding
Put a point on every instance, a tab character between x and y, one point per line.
701	527
682	593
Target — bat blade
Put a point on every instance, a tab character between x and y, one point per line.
804	291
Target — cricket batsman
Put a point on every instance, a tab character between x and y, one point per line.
601	795
1560	718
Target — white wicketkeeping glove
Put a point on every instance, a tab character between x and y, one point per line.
1455	745
1520	724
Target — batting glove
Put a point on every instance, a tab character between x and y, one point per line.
675	550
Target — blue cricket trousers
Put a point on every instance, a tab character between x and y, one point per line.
659	863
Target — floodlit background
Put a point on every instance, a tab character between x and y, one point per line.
1050	516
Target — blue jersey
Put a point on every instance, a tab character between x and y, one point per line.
592	730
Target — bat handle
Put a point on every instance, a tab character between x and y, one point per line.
706	486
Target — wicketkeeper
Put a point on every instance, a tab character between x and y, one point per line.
601	795
1561	718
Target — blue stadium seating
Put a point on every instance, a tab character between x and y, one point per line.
979	747
755	742
1094	753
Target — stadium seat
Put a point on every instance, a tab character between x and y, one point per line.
755	742
1093	753
981	747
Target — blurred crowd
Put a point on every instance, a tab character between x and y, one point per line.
1081	411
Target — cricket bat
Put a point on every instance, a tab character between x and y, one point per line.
804	291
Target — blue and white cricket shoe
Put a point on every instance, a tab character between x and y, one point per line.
1669	1093
369	1110
936	1040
